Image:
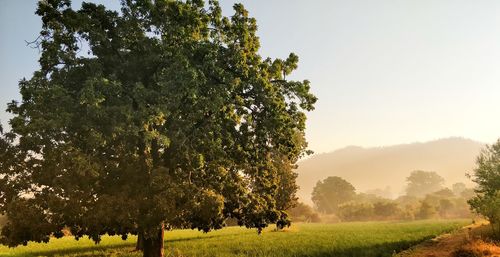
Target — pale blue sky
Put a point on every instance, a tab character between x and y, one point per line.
385	71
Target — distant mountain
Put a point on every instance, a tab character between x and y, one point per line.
377	168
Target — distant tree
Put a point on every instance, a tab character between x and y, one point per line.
386	209
458	188
487	177
328	194
421	183
408	212
172	119
304	213
367	198
461	208
468	193
426	210
444	193
446	206
407	200
383	193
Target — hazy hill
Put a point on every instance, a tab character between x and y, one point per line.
372	168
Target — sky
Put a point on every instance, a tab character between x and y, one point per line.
385	72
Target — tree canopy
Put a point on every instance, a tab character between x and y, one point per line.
161	115
421	183
328	194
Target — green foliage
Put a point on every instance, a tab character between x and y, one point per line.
3	221
421	183
458	188
286	193
427	210
386	209
315	240
304	213
172	117
489	207
487	176
443	203
408	212
368	198
355	211
328	194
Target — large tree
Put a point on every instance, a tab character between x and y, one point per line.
162	115
421	183
328	194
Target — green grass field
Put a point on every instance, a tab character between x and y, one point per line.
344	239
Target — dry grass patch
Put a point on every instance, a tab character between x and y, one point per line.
478	248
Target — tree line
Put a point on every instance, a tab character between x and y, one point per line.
335	199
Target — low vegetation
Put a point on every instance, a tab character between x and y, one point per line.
477	248
342	239
335	199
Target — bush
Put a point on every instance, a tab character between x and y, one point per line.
386	209
408	212
426	211
489	206
303	213
353	211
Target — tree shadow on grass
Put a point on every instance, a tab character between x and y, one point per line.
78	251
106	250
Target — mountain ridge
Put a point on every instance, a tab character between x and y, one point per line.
370	168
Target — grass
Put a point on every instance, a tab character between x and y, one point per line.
343	239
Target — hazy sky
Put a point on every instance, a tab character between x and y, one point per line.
385	71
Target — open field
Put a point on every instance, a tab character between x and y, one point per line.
342	239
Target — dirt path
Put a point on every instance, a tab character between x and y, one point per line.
467	240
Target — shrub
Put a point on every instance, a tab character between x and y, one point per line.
353	211
426	211
385	209
304	213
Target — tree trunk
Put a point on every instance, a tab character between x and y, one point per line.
153	247
140	241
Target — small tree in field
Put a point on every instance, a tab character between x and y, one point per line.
487	176
170	120
328	194
421	183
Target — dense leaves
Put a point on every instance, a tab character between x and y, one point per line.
422	182
163	113
333	191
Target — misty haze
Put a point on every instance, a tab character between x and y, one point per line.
223	128
384	169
